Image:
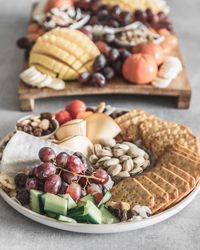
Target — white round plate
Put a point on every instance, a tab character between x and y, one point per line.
103	228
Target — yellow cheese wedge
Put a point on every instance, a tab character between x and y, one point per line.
78	144
101	126
71	128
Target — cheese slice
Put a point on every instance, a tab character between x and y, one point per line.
101	126
71	128
77	144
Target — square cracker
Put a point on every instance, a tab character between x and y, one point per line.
132	126
186	152
177	181
183	174
171	136
151	128
161	197
187	164
159	144
133	192
128	116
165	185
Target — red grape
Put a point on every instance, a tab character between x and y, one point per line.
96	191
53	184
74	190
99	63
93	20
98	80
32	172
84	78
47	154
82	181
24	43
103	47
140	16
61	159
113	55
74	164
108	72
45	170
63	188
102	174
83	193
31	183
69	177
115	11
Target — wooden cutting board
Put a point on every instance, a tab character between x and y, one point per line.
179	88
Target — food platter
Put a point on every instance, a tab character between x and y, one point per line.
159	211
102	229
179	87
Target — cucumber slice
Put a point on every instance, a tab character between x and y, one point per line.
71	203
78	211
86	198
36	201
106	198
43	198
66	219
51	215
55	204
91	213
107	216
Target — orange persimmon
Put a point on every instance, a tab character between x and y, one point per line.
140	68
152	49
58	4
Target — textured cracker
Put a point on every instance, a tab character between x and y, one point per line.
161	197
165	185
185	163
186	152
182	185
183	174
131	191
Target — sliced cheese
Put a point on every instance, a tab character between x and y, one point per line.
77	144
71	128
101	126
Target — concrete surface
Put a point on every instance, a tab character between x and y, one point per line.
178	233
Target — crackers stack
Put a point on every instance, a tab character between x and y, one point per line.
155	133
173	177
177	169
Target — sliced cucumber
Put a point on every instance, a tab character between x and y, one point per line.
43	198
91	214
86	198
66	219
106	198
36	201
51	215
71	203
78	211
107	216
55	204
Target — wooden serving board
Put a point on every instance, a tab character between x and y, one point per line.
179	88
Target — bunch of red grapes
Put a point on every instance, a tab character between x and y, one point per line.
63	174
114	16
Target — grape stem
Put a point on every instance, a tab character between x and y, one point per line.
81	175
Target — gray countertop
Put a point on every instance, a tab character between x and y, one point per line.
179	232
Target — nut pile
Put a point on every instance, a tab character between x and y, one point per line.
38	125
119	159
136	36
